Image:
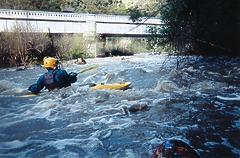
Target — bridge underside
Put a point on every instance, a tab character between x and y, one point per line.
124	35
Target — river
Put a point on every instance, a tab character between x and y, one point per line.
194	99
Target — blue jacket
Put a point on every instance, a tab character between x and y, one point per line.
53	79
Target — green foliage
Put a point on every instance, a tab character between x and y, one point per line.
97	6
194	26
72	47
135	45
50	5
135	14
76	53
83	6
175	16
23	48
141	9
157	37
78	47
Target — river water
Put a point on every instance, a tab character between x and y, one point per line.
197	102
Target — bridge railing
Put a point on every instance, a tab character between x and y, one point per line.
78	17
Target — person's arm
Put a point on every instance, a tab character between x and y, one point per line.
37	87
64	79
61	78
72	77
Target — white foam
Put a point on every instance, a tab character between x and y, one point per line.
237	98
12	144
61	143
237	123
130	153
123	125
155	141
92	126
8	87
18	144
64	154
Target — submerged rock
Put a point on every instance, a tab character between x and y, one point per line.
21	69
80	61
138	107
166	86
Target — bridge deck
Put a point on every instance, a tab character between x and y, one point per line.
60	22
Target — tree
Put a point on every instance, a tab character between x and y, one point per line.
52	5
201	27
97	6
83	6
194	26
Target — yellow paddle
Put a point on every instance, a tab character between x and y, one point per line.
88	68
27	95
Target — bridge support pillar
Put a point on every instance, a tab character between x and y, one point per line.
91	39
102	41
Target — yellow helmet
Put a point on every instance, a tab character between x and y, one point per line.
50	62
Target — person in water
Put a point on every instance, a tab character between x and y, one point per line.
54	78
175	149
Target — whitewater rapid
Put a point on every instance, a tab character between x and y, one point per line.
197	102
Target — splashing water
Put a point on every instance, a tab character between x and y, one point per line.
198	103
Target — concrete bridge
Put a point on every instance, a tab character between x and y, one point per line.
89	25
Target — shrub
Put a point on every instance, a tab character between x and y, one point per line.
71	47
127	46
22	46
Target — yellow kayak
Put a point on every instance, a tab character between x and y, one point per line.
27	95
113	86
